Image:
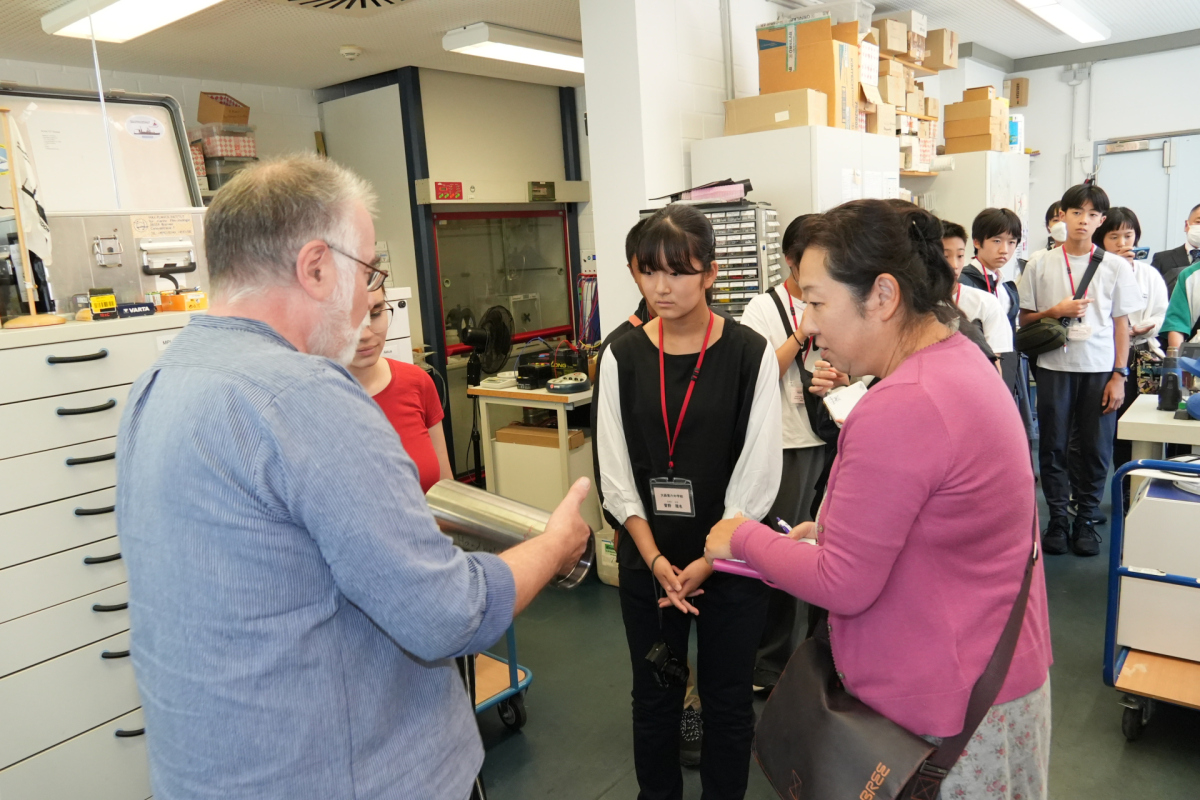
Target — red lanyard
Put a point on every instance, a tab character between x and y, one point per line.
987	279
796	326
958	294
1069	275
662	388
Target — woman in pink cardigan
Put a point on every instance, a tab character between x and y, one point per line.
921	543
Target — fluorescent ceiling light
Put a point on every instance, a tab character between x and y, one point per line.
118	20
1070	18
509	44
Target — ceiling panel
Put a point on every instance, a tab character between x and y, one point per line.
1006	27
272	43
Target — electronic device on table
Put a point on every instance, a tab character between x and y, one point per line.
501	380
569	384
534	376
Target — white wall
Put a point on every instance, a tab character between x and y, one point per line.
1139	96
490	129
285	118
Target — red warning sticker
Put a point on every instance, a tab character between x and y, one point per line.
447	191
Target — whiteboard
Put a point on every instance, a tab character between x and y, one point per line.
65	137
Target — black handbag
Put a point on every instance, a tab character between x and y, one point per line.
1050	334
819	418
816	741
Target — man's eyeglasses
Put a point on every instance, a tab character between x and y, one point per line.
377	275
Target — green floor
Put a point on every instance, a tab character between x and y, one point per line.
578	743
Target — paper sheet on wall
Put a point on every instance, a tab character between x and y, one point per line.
851	184
72	160
873	185
892	187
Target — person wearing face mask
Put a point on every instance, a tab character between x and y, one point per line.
1183	312
1119	234
286	576
689	427
406	394
1172	262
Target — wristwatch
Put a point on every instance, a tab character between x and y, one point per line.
1122	371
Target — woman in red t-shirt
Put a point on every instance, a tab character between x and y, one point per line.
407	396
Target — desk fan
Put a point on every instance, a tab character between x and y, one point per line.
491	344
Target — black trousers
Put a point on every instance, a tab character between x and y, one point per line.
1066	401
732	611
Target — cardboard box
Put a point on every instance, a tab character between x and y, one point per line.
893	37
912	20
942	47
883	121
185	301
890	66
927	129
977	126
933	107
517	433
217	107
916	47
1017	92
809	55
768	112
914	103
908	125
976	108
973	144
979	93
910	79
892	90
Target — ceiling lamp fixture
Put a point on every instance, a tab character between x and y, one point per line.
509	44
1070	18
118	20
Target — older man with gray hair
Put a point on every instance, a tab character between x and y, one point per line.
295	610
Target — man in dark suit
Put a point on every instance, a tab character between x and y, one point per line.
1172	262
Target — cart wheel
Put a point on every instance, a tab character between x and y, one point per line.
1134	720
512	712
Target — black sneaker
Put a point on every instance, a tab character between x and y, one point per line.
1085	539
1098	516
691	734
1054	538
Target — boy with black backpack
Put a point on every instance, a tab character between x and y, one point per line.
1082	383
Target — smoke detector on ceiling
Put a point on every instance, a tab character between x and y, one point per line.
346	8
350	52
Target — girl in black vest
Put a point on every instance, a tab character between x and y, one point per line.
688	432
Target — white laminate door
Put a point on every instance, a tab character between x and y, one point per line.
53	369
59	421
55	579
50	475
39	637
97	765
52	702
53	527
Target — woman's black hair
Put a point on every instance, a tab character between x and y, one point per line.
1118	217
672	237
1086	192
995	221
1053	211
864	239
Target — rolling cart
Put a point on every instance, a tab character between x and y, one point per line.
501	683
1155	661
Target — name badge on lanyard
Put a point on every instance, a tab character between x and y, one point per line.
673	496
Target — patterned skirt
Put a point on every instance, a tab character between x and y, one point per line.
1009	756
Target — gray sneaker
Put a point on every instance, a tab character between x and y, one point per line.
691	735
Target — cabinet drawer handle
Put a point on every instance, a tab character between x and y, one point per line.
115	654
76	359
121	733
71	412
91	512
114	607
102	559
74	462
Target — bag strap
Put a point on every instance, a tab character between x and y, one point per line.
1092	266
928	781
783	315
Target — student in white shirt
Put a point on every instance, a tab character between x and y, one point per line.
1083	383
1118	235
977	305
1056	230
776	316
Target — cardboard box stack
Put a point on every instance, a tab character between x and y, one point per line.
767	112
813	54
979	122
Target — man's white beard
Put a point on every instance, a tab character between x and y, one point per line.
335	336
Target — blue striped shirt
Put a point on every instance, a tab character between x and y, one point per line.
294	608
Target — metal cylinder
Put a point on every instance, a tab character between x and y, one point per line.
480	521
